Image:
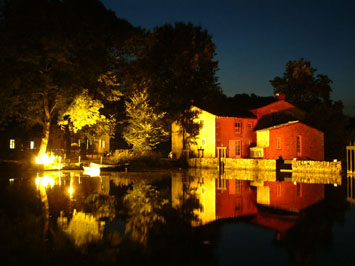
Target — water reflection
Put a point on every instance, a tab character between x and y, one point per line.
183	212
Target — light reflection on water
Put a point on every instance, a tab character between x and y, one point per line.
278	211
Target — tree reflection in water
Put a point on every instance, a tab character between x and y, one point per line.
150	220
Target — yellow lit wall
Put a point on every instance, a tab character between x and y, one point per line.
203	188
176	140
263	195
262	138
206	138
206	192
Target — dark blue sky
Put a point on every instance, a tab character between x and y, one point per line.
255	39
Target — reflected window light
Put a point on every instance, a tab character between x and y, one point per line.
45	181
71	190
32	145
12	144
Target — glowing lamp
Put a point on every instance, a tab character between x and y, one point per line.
45	159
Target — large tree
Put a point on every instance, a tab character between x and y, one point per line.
176	65
311	92
51	50
302	86
144	128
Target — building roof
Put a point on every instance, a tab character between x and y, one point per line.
279	118
225	111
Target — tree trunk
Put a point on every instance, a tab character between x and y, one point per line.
46	126
68	141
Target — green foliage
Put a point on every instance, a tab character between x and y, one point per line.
101	206
302	87
84	111
176	65
312	94
145	126
51	50
144	210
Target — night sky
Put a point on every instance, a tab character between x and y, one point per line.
255	39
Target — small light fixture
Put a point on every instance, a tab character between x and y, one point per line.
335	160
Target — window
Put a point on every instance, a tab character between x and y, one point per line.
238	186
202	123
299	190
79	142
203	142
278	190
238	127
238	148
12	144
298	145
250	125
32	145
278	143
102	144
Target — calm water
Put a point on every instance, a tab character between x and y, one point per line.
190	217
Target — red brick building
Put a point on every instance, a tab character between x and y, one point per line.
266	132
236	199
293	140
237	134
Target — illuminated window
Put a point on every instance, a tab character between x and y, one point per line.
12	144
238	127
278	143
79	142
238	148
102	144
298	145
250	125
32	145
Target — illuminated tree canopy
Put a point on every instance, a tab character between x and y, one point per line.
51	50
145	126
176	65
84	112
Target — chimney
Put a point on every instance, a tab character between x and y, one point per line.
280	96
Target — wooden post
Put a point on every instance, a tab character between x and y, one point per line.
350	154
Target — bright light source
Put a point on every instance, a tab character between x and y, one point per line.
295	183
45	159
12	144
71	190
92	171
45	181
335	160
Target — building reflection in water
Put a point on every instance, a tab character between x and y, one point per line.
262	196
350	188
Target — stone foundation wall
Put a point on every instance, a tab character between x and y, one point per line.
298	166
320	167
233	163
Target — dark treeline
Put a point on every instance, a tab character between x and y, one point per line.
60	52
